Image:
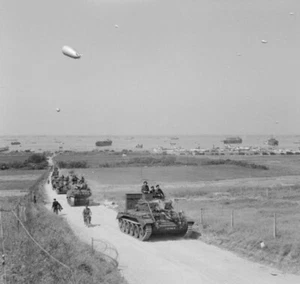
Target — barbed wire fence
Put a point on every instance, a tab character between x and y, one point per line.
263	223
19	214
107	250
265	212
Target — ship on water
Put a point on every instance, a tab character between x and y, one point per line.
272	142
15	143
233	140
4	149
103	143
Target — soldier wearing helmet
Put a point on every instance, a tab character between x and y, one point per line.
145	188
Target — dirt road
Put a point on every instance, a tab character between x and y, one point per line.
166	261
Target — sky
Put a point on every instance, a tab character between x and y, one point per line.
150	67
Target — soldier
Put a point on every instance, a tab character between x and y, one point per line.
87	215
152	190
145	188
159	193
56	206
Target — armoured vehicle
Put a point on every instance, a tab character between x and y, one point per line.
77	196
3	149
145	216
62	188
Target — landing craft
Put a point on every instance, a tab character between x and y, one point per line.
69	51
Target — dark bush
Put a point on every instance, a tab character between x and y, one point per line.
236	163
150	161
36	158
72	164
105	165
4	167
34	162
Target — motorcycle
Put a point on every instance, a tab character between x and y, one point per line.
87	220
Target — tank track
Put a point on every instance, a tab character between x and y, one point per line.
189	231
135	229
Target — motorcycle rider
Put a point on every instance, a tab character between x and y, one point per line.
87	215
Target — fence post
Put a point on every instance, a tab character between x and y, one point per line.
201	216
232	218
275	227
18	214
267	192
92	245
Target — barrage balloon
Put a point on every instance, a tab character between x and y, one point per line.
70	52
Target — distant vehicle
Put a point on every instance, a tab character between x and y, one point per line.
174	138
272	142
139	146
3	149
70	52
233	140
15	143
103	143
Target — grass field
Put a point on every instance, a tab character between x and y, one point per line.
209	193
15	157
18	180
279	165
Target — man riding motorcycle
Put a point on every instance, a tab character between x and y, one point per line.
87	215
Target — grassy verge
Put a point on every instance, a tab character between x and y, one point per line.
27	263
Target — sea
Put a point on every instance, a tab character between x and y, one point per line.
87	143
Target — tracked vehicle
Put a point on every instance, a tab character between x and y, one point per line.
62	189
77	196
146	216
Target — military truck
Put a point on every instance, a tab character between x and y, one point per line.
145	216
